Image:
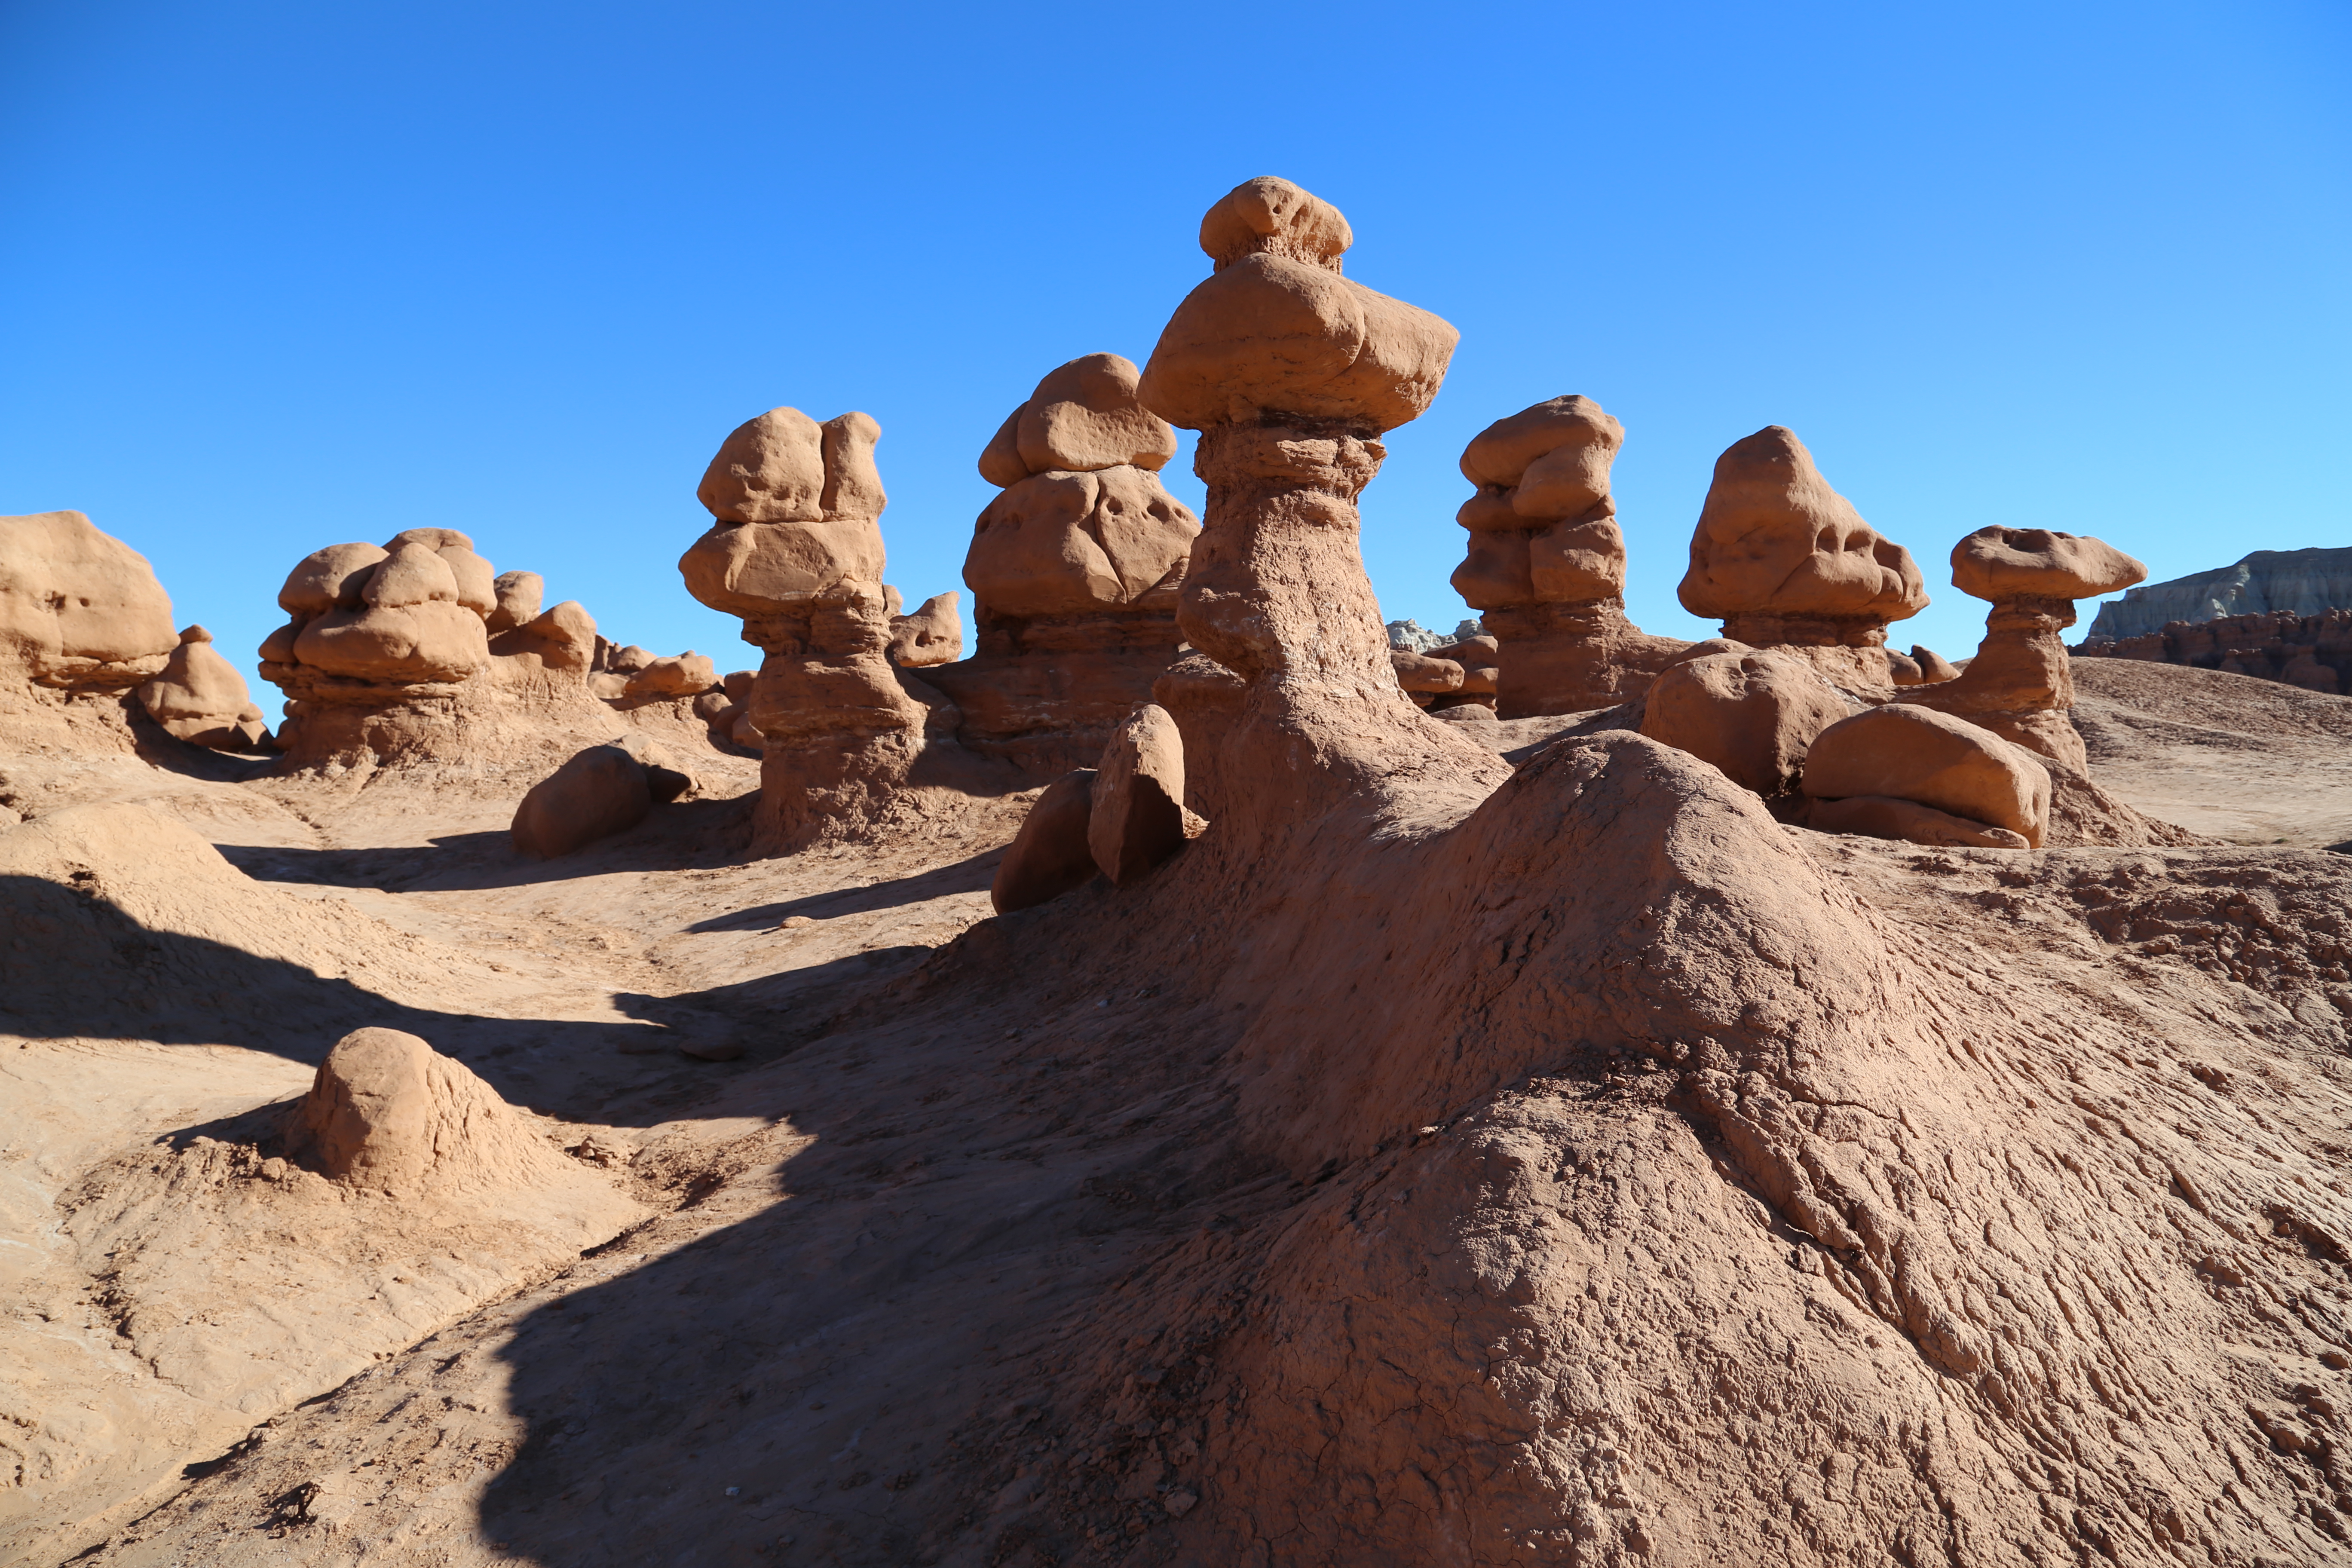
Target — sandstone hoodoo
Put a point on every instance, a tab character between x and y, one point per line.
1074	572
198	697
388	650
2019	686
796	550
1786	562
1547	562
1905	772
82	620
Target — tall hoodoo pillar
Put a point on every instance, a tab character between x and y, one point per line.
1291	373
1546	566
796	550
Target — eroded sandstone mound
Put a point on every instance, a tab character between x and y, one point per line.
199	697
82	621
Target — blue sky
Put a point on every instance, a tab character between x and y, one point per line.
278	276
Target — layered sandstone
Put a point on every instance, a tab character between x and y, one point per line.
1547	562
82	622
796	550
1785	562
1074	572
2020	685
2313	652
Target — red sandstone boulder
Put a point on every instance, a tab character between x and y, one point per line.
686	675
519	596
1752	714
1884	816
2006	564
601	791
1082	419
1914	754
933	635
1051	854
1136	817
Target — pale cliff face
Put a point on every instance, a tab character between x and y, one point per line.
2301	581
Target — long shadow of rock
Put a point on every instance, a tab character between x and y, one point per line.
965	876
686	834
812	1364
74	965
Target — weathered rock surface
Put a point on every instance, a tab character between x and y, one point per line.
933	635
1052	853
1786	562
601	792
79	610
388	1112
198	697
1136	819
1074	572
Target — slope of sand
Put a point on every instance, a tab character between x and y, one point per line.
1129	1230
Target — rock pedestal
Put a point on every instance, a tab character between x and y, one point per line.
796	550
1074	572
2020	685
1785	562
1547	562
1291	373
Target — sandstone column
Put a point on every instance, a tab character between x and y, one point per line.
1547	562
1291	373
796	550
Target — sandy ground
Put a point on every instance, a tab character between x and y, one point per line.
862	1235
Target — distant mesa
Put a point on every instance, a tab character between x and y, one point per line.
2299	583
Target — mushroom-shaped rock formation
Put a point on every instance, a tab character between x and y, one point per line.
1786	562
796	550
1074	572
2020	685
1547	562
200	698
1902	752
1752	714
1291	373
81	613
389	651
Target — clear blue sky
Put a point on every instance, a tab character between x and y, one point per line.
277	276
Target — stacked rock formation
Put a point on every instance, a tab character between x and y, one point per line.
199	698
384	643
80	611
1074	572
1547	562
1784	560
2019	686
796	550
1291	373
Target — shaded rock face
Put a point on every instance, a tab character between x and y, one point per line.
1786	562
1074	572
796	550
1547	562
199	698
2020	685
80	611
389	651
2313	652
2300	583
1752	714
